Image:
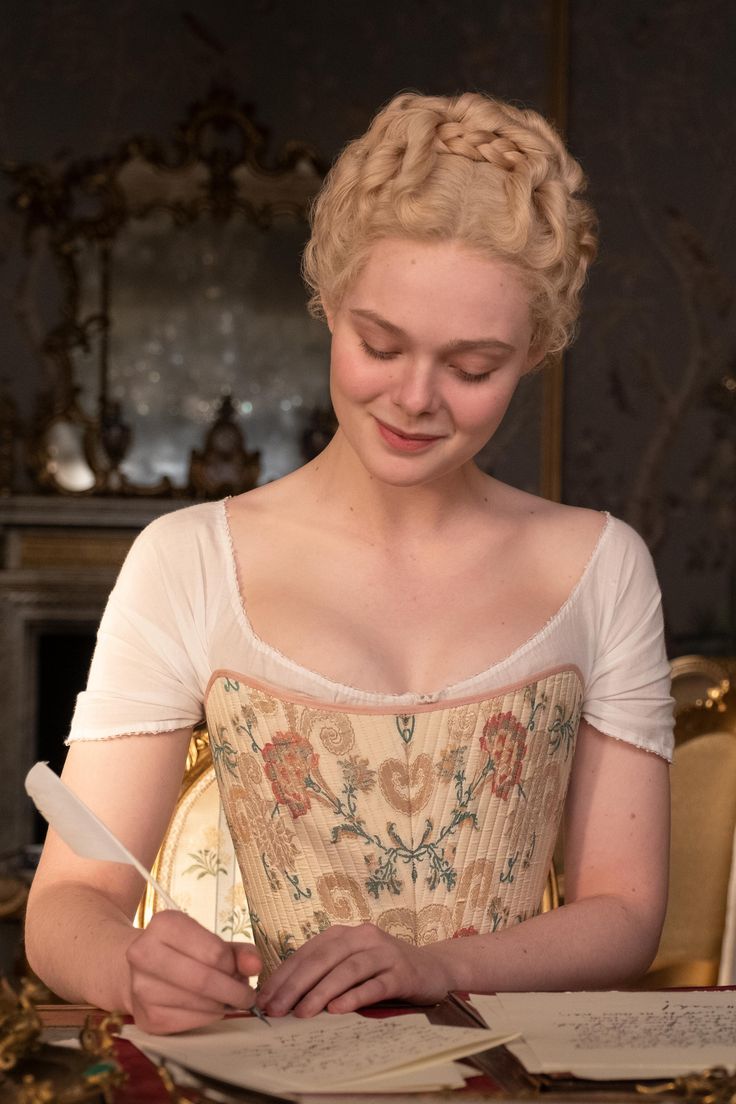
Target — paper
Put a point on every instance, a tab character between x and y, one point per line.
341	1053
617	1036
79	827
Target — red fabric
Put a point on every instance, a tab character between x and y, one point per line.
143	1084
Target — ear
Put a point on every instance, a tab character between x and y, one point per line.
329	316
534	358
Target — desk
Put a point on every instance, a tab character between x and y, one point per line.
502	1078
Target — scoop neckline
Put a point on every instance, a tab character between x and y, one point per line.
453	690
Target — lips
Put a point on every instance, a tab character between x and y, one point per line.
405	442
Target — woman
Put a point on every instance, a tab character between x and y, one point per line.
407	667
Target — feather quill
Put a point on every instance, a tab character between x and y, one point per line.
85	833
80	828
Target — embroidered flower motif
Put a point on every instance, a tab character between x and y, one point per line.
287	765
357	773
318	922
499	913
255	828
463	933
504	738
451	760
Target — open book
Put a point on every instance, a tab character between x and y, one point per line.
617	1036
289	1057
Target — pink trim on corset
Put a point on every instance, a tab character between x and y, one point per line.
388	708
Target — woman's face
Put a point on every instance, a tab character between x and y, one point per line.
428	346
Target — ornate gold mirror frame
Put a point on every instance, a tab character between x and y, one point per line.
87	217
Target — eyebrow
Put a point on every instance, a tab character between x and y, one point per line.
490	344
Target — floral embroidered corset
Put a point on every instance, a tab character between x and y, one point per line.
434	824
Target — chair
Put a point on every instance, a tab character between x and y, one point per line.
196	862
698	943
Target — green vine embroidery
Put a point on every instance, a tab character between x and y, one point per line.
299	893
384	877
247	729
271	874
562	731
223	752
285	945
319	922
260	932
529	853
530	694
231	684
508	876
499	913
405	725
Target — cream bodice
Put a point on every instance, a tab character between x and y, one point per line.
432	824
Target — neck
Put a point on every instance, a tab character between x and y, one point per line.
342	485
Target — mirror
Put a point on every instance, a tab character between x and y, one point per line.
182	287
200	311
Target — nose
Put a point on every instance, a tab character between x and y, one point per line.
414	387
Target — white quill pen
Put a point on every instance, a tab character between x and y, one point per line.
85	833
79	827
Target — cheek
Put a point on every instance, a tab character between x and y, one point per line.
481	412
352	378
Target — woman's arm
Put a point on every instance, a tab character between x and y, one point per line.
606	934
79	933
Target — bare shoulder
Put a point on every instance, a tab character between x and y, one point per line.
280	509
572	524
557	537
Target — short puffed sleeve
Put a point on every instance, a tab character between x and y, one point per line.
149	662
627	693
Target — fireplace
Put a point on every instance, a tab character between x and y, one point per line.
58	561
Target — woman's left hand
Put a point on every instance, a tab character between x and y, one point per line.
346	968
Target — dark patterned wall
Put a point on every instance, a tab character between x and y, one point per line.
648	420
651	395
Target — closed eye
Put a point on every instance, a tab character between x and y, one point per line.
471	377
377	354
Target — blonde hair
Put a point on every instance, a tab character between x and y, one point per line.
468	169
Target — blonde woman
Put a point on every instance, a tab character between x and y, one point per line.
411	672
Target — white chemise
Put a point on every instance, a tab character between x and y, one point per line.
176	616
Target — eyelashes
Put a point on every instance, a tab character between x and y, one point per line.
466	377
375	353
471	377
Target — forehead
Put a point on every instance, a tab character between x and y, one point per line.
441	287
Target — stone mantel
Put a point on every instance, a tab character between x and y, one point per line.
85	511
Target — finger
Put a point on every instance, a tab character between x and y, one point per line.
248	961
189	974
181	933
302	970
372	991
166	1021
284	993
351	973
151	992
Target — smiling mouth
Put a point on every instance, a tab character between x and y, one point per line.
401	439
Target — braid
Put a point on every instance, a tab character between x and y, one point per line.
467	168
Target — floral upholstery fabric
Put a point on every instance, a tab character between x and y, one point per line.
432	825
197	864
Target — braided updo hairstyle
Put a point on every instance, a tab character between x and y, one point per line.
467	169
